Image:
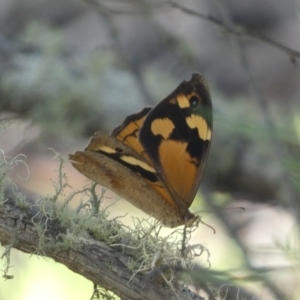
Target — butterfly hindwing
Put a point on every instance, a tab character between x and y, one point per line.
128	131
128	134
116	166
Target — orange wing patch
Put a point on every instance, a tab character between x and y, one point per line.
181	175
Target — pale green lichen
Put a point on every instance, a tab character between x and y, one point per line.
150	250
147	248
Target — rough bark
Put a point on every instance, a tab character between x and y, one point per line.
103	265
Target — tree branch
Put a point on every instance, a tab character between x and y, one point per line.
237	31
103	265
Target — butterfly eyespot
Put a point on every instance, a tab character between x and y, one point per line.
194	102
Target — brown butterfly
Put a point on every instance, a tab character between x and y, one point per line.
156	157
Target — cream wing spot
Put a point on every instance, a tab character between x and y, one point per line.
129	159
208	136
195	121
133	161
183	101
163	127
106	149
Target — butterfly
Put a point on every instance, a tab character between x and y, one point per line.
156	157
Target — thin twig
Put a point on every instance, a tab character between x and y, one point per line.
236	30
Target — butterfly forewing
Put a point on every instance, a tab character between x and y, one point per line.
177	135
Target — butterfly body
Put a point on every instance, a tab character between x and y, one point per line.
155	158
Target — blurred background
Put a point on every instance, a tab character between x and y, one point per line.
70	68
